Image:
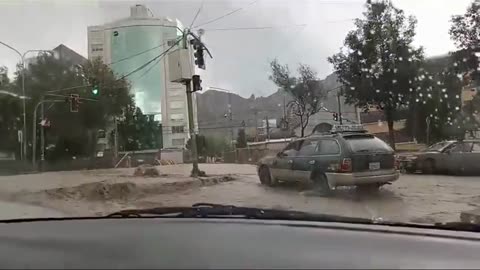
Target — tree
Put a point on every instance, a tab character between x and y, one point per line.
137	131
465	29
112	99
74	133
465	32
241	139
10	112
4	80
216	146
436	98
379	65
305	90
201	145
210	146
44	74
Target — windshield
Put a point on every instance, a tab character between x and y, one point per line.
317	106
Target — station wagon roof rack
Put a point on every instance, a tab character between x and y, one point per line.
354	128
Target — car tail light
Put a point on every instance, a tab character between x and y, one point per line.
346	165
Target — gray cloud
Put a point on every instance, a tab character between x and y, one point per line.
240	57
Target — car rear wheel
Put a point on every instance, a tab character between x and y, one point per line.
428	166
266	177
321	185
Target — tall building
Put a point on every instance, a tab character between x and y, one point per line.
130	43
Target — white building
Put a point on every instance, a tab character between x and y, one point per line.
129	43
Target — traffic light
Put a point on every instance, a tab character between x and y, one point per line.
335	116
198	54
95	88
74	102
197	83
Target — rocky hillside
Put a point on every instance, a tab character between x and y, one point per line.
213	106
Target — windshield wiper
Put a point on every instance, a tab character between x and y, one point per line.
209	210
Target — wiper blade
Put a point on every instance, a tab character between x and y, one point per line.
458	226
208	210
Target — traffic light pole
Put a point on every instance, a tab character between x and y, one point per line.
191	126
34	128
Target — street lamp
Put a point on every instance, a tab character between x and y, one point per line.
24	129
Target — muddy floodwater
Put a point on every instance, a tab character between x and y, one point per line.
413	198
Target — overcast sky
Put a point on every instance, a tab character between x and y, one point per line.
241	58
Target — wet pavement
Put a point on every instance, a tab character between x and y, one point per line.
12	210
413	198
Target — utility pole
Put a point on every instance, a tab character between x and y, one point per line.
339	107
415	123
230	115
191	125
428	120
267	125
115	139
42	135
255	113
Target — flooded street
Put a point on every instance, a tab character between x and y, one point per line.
413	198
11	210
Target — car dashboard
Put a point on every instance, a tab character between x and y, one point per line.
230	243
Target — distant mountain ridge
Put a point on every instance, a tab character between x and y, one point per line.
212	106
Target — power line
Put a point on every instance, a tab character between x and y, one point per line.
147	63
196	15
153	65
150	68
255	28
136	25
124	76
225	15
137	54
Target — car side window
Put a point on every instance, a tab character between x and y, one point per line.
291	149
328	147
476	147
461	148
467	147
451	148
308	148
